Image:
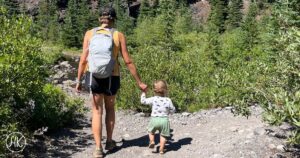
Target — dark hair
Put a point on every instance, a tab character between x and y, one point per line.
108	12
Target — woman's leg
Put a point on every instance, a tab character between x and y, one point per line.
110	115
97	103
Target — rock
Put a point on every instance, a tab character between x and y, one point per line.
259	131
269	139
140	114
278	155
55	82
216	110
186	114
60	75
219	112
68	82
147	153
217	156
183	123
233	129
272	146
126	136
56	67
249	136
253	154
228	108
280	148
285	126
280	135
65	64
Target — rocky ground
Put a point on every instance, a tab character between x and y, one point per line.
214	133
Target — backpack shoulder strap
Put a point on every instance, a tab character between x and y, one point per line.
115	35
116	43
95	30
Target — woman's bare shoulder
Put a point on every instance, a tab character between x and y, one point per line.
121	35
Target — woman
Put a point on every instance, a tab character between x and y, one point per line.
105	90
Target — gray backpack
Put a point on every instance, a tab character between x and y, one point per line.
100	59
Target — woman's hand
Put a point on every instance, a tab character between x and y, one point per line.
78	87
143	86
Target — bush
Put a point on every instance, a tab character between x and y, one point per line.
195	81
54	109
241	67
198	77
280	93
27	101
51	53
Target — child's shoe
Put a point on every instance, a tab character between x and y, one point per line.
151	145
162	151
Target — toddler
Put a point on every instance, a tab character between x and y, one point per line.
161	107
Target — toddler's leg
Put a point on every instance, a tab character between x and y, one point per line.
162	144
151	140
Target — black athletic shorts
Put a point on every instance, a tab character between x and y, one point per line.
101	86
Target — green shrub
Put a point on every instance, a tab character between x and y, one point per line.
54	109
281	91
27	101
195	80
51	53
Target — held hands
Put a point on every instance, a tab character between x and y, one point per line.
143	87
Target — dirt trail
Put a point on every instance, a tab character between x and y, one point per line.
212	133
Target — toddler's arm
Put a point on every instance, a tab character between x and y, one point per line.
144	100
172	108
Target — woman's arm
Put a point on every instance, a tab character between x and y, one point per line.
129	62
83	61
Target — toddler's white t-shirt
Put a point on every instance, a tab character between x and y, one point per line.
161	106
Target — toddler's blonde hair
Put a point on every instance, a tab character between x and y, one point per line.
160	88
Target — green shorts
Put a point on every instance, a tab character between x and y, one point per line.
161	124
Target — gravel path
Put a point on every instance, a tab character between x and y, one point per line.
212	133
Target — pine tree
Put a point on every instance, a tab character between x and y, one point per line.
218	15
167	10
71	35
154	8
148	10
250	26
103	3
12	7
124	21
234	17
47	20
144	10
87	18
183	18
